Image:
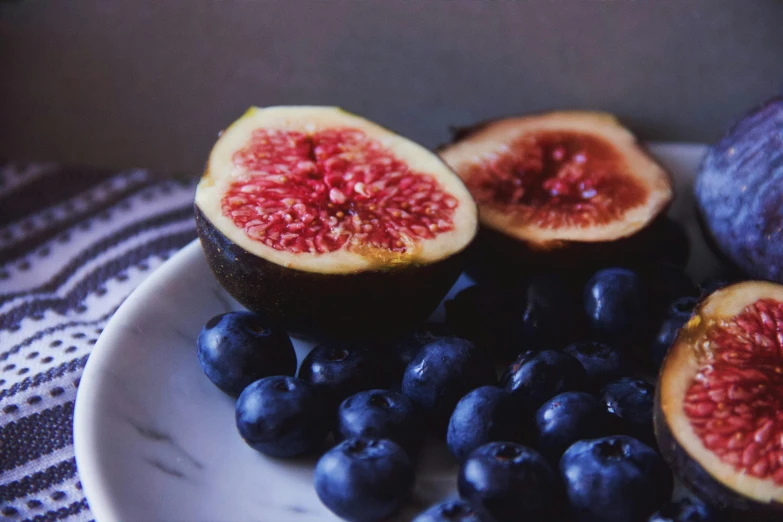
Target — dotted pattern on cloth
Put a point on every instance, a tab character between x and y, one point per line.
73	244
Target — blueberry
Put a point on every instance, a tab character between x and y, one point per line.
567	418
364	480
684	510
614	479
510	481
536	377
381	414
401	351
453	511
281	416
615	302
238	348
665	283
601	361
679	313
486	414
631	400
444	371
483	316
340	370
544	302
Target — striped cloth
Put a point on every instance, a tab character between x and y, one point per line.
73	244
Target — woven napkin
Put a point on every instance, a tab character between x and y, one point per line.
73	244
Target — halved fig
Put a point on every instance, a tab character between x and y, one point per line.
330	225
560	186
719	402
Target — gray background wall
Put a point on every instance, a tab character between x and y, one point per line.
149	83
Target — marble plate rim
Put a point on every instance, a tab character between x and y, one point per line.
86	424
85	421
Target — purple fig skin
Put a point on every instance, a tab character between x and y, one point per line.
739	193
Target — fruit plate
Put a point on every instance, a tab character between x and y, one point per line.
155	440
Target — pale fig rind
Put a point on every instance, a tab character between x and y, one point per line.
507	249
720	484
358	290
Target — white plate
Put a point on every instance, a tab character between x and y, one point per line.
155	440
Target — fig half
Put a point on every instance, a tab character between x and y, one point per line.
719	402
560	186
329	224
